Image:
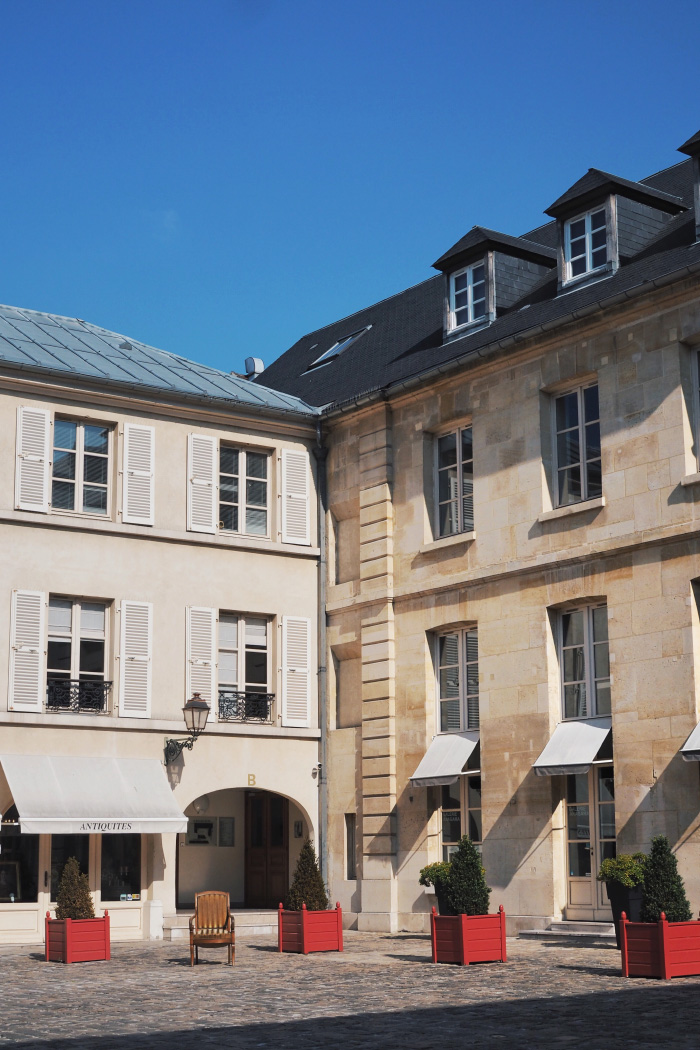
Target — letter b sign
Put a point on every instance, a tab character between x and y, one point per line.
251	780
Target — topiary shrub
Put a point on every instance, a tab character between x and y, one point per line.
74	900
663	887
438	875
467	892
307	885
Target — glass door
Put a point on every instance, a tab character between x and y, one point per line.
590	827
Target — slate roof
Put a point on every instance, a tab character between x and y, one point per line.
406	338
69	347
480	239
691	146
595	182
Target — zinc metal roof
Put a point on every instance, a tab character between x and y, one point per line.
49	343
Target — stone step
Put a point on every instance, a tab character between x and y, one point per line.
249	923
602	932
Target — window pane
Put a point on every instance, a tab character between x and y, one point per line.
577	228
228	631
121	867
228	517
578	266
60	615
602	692
577	787
475	825
601	660
474	792
256	465
96	469
471	641
448	519
590	404
64	433
570	485
451	826
447	484
459	281
468	514
256	493
256	632
598	219
606	820
256	668
462	302
600	257
64	464
449	649
572	628
579	822
467	450
92	617
96	439
58	657
228	669
595	480
450	796
593	441
449	716
567	411
568	448
256	522
63	495
606	784
449	682
447	450
92	656
480	308
477	274
19	866
579	859
575	701
94	500
228	460
63	847
574	665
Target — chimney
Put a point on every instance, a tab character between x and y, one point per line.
253	367
692	148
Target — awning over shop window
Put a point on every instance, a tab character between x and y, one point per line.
70	795
445	759
691	748
573	746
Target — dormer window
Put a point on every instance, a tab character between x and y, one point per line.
585	243
467	296
338	347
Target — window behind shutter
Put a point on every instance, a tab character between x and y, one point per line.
296	672
201	483
28	627
32	465
135	659
295	497
201	654
139	448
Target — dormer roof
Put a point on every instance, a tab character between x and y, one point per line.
692	146
595	184
479	240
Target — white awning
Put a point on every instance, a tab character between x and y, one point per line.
70	795
573	746
691	748
445	759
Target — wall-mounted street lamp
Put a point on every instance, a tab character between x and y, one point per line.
196	712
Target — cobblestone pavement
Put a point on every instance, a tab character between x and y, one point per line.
383	991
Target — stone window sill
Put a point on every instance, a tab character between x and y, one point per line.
690	479
447	541
572	508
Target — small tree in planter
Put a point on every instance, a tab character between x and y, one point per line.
437	875
305	924
663	887
624	881
469	934
75	935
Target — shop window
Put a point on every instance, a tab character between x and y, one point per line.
458	680
243	491
19	862
578	464
585	662
63	847
80	472
455	483
121	868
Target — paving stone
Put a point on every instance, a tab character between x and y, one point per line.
383	991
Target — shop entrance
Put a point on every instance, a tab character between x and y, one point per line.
266	849
590	825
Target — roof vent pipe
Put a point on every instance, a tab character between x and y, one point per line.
253	367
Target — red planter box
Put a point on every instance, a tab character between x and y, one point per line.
310	931
468	939
660	949
77	940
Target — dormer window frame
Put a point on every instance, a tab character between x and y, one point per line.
608	207
452	326
338	348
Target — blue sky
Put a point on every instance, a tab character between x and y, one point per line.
219	177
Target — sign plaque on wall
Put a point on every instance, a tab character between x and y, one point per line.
227	831
201	831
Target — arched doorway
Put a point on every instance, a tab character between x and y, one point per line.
243	841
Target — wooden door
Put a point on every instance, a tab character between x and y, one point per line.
266	849
591	838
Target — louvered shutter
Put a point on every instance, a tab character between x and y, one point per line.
201	654
32	465
202	513
135	659
296	672
28	630
139	449
295	497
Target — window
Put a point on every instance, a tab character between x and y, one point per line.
585	243
121	868
80	467
19	862
350	846
455	488
467	296
338	347
451	818
243	485
243	669
75	663
63	847
458	680
577	426
584	661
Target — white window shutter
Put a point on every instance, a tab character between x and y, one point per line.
135	659
33	454
28	642
139	452
295	497
296	671
202	515
201	654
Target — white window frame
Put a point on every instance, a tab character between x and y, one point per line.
464	696
243	452
452	325
587	217
589	678
76	635
79	480
240	650
461	527
583	462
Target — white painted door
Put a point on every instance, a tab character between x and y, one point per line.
590	827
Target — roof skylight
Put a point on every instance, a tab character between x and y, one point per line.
337	349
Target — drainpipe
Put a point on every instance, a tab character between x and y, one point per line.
321	453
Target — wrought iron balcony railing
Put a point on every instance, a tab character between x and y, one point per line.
70	694
245	707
